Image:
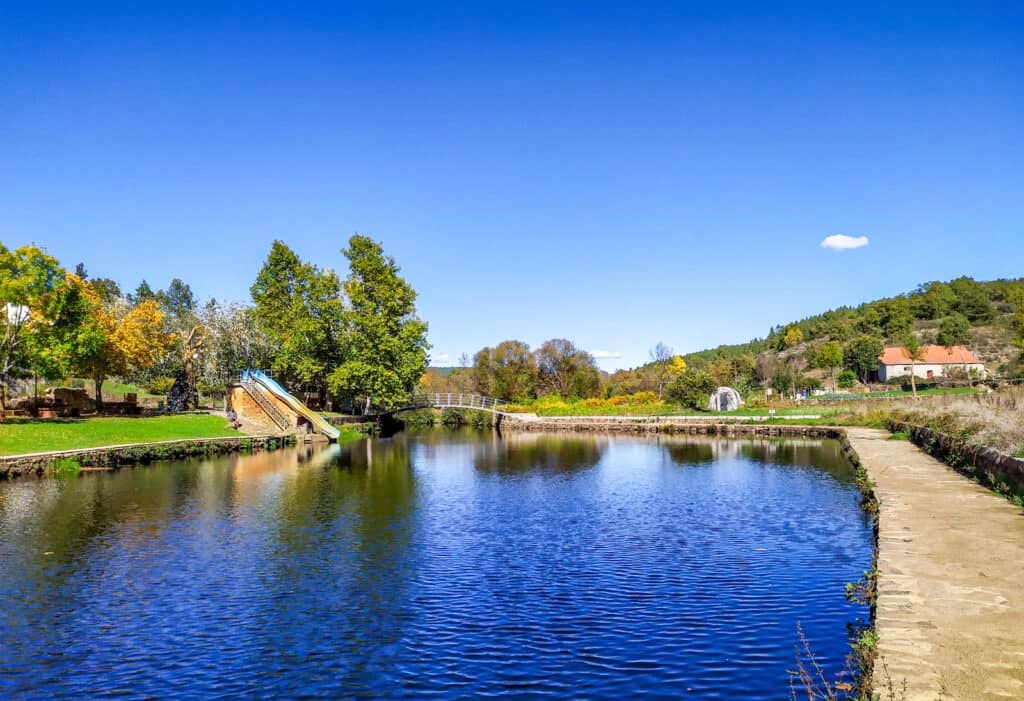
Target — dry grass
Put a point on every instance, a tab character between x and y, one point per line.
994	419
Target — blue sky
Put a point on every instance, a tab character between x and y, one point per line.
616	174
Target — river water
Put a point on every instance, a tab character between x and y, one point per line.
443	564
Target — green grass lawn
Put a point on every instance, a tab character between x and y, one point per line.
35	436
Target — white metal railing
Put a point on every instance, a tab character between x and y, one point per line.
459	400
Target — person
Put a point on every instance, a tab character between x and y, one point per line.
233	419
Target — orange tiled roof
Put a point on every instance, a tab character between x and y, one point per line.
931	355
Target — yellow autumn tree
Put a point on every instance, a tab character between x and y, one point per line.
793	336
133	338
676	367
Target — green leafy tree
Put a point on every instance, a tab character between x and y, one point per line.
861	355
28	278
566	370
692	389
507	371
386	345
895	316
933	300
783	379
65	338
955	330
830	357
299	309
914	352
142	293
972	300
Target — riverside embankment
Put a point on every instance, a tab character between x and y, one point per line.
950	606
106	457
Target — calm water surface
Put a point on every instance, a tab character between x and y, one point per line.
441	564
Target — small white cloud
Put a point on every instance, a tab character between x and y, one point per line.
842	242
439	359
604	355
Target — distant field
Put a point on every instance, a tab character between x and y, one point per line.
19	436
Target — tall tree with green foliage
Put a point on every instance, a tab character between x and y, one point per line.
28	277
830	357
298	307
64	337
972	299
955	330
566	370
861	355
386	345
507	371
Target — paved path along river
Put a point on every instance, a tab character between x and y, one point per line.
951	586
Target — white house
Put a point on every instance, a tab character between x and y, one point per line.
935	362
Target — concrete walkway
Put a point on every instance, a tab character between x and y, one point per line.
950	612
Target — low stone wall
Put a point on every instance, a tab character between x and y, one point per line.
138	453
646	425
999	471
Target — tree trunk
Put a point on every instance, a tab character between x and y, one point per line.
913	378
189	376
835	390
99	394
366	409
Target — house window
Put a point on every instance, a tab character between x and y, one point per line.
906	368
931	374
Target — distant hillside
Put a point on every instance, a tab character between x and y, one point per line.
978	314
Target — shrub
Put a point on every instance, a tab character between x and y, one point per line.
66	467
692	389
847	379
159	385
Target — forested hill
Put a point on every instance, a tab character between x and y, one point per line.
981	314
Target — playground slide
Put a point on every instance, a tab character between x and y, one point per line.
318	422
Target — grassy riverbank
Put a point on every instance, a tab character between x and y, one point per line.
636	405
19	436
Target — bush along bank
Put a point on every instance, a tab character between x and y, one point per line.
1002	473
452	418
60	463
864	639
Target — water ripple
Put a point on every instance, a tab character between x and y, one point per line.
436	566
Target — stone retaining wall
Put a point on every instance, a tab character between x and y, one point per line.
1003	473
138	453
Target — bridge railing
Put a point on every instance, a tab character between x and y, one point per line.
459	400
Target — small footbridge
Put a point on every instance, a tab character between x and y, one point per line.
450	400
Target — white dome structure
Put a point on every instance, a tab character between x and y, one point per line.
725	399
